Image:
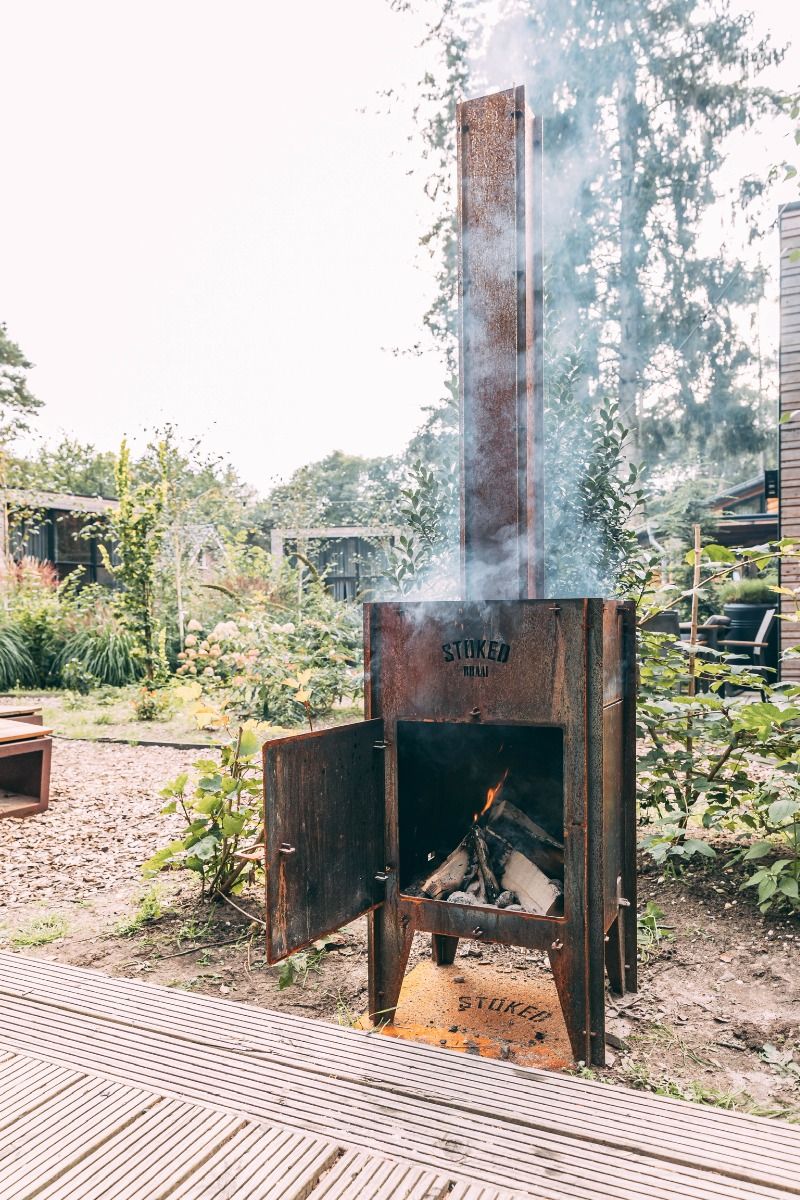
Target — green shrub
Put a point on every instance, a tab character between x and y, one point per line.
150	704
223	814
284	667
748	591
76	678
720	748
16	665
108	652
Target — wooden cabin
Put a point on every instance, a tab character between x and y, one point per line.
748	513
789	451
51	527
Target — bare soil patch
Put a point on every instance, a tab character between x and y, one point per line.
717	1017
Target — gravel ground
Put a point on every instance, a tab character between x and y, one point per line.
102	823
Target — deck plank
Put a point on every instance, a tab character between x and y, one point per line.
421	1119
537	1097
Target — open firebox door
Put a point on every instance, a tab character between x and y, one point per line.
324	825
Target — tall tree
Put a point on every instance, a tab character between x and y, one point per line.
135	529
17	402
638	97
340	489
69	466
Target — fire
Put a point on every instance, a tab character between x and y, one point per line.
492	795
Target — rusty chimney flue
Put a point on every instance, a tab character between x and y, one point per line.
501	354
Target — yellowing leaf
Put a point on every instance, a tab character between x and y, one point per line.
303	696
249	743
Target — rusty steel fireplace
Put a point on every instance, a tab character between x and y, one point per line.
489	794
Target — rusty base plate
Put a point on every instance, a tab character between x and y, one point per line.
481	1010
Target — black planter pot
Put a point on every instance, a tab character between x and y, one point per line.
745	623
664	622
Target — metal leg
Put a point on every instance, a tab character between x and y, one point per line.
389	947
615	955
571	986
443	949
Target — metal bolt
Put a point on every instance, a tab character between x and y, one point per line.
622	902
381	877
557	945
286	849
477	933
380	745
475	713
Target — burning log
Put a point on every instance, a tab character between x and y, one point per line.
536	893
504	859
453	874
526	836
490	883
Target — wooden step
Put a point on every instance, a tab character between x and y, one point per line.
482	1126
13	712
20	731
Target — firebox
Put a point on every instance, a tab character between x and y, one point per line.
467	793
489	793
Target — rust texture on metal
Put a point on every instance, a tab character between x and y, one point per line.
501	359
426	664
324	799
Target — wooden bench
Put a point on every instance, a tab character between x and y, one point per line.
25	748
30	713
114	1088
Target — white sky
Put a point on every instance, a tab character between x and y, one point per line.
199	225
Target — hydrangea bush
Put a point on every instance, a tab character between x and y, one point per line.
279	670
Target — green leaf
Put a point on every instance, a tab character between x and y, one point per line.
206	805
755	879
758	850
210	783
790	888
157	861
233	824
249	743
780	811
766	888
721	554
206	848
697	846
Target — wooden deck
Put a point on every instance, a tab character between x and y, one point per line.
112	1088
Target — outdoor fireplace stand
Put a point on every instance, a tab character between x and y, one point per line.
460	691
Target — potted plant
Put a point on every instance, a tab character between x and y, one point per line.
746	601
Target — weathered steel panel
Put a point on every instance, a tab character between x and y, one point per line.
501	359
531	662
324	809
